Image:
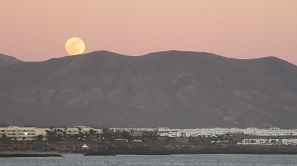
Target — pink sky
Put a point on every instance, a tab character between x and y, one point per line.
35	30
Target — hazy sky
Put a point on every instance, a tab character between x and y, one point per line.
34	30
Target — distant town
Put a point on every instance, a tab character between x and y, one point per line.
247	136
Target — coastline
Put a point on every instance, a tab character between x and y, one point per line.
201	150
175	146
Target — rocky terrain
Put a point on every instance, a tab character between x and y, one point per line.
171	88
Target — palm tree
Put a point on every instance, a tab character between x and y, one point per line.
50	135
97	135
65	136
39	137
80	134
92	133
59	134
108	135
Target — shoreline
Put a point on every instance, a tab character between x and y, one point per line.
145	148
159	153
113	153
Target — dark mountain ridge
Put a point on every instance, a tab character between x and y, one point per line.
171	88
7	60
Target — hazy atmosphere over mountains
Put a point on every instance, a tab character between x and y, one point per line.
171	88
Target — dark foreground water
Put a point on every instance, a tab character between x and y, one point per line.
131	160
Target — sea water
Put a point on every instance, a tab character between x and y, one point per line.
147	160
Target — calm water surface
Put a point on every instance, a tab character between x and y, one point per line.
131	160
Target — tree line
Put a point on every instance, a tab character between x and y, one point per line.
58	135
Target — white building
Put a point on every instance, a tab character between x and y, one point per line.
41	131
214	132
115	129
19	133
256	141
30	133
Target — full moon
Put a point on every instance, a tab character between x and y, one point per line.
75	46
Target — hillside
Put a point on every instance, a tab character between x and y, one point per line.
171	88
7	60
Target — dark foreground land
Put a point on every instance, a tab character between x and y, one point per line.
194	149
160	146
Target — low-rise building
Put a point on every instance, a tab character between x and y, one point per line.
19	133
256	141
31	133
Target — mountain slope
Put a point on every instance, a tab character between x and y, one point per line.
7	60
171	88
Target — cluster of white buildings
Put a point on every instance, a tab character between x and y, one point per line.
30	133
115	129
214	132
283	141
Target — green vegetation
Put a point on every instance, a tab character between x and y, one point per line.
57	135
